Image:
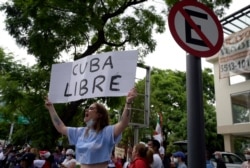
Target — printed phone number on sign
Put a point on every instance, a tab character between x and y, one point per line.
234	65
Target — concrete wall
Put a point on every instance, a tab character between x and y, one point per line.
223	91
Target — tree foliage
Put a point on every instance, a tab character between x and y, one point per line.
23	89
168	97
47	28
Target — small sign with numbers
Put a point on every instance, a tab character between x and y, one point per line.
234	56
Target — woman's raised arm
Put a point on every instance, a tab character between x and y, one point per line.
125	118
57	122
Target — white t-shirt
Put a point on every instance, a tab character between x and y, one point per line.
111	163
245	164
38	163
157	163
162	150
126	164
2	157
68	162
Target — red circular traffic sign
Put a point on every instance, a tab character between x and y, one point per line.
195	28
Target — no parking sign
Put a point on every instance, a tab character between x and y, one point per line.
195	28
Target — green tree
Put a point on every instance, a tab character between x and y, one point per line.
22	90
47	28
168	97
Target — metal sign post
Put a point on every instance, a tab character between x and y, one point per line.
198	31
195	122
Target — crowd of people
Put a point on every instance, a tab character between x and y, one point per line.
30	157
94	145
141	155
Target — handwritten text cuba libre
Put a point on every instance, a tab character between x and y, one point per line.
82	86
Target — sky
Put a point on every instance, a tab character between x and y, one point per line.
167	55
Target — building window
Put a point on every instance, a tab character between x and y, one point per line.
241	107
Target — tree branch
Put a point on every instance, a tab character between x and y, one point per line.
116	44
95	46
120	10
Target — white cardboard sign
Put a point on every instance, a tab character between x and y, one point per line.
102	75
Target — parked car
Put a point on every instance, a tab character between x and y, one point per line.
232	160
182	145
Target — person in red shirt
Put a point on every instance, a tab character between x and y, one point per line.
142	156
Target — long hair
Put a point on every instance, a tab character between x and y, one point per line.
102	121
145	152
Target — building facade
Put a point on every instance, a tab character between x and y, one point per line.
232	82
232	107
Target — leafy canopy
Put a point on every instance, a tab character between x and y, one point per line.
168	98
48	27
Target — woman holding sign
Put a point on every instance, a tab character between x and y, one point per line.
95	142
